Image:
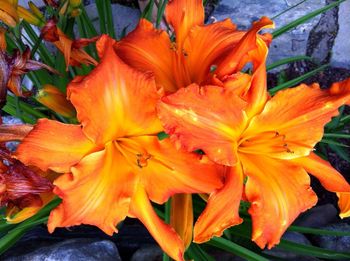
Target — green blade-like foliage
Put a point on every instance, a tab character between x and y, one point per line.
304	18
297	80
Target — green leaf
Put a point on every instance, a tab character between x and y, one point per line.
304	18
297	80
333	142
288	9
162	135
147	13
235	249
160	13
337	135
20	229
312	250
167	220
316	231
343	153
195	252
287	60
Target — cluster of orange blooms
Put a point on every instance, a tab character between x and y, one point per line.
198	90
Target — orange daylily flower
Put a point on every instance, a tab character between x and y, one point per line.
198	49
72	50
114	163
271	147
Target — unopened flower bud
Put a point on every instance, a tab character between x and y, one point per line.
54	99
29	17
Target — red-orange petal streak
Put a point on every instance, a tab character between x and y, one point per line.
115	100
222	208
208	118
278	193
97	192
54	145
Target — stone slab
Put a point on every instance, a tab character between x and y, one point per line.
341	48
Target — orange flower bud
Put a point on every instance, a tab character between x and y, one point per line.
54	99
8	13
29	17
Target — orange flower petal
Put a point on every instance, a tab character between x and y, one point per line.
148	49
233	62
54	145
297	117
222	208
123	102
97	192
344	204
278	192
207	45
208	118
170	171
330	178
183	15
166	237
181	216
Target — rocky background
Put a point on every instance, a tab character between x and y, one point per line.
325	38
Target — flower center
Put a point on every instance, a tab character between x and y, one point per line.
264	143
133	152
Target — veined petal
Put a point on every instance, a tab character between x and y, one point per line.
330	178
278	192
298	115
124	97
181	216
208	118
182	15
148	49
206	46
168	171
54	145
97	192
222	208
166	237
344	204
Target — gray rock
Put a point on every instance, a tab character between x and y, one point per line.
341	49
319	216
80	249
322	36
148	253
10	120
293	43
291	236
334	242
124	18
